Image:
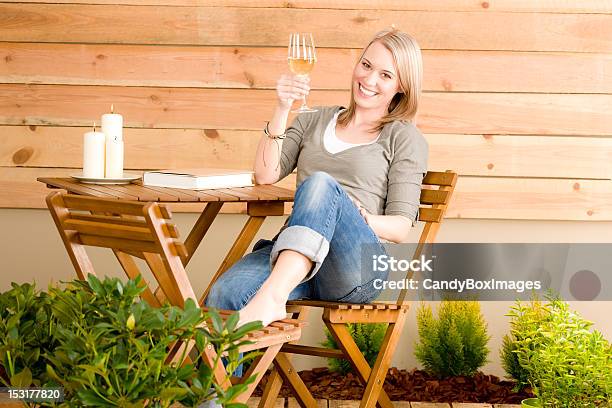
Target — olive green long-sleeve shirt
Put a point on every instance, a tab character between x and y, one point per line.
385	176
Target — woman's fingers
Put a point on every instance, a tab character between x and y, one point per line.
364	213
290	88
293	84
291	92
289	96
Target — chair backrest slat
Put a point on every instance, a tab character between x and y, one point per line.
119	244
430	197
439	178
430	214
180	248
109	219
105	229
107	206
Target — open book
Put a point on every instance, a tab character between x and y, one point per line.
198	179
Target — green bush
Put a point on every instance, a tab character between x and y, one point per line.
26	333
568	365
526	319
367	336
454	343
105	347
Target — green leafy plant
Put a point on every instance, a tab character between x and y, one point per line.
454	343
26	332
367	336
568	365
526	320
110	349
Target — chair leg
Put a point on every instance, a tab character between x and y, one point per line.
272	389
298	388
275	381
381	366
360	365
258	368
156	266
132	271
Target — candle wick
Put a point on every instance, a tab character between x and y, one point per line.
112	108
94	129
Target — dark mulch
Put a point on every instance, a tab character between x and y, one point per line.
415	385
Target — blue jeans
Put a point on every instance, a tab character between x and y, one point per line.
324	226
327	228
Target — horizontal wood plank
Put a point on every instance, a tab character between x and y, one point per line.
586	6
475	197
583	6
87	23
244	67
478	113
522	156
475	155
531	199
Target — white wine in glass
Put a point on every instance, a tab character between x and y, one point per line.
301	57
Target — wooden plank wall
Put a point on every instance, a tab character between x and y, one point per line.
518	93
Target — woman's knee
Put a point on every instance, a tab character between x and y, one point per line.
319	178
318	186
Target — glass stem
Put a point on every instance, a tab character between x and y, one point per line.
304	106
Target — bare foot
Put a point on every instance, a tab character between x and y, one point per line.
264	308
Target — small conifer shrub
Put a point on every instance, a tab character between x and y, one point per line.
453	343
367	336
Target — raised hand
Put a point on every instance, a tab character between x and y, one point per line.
291	87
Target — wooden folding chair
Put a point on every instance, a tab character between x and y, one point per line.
437	190
143	230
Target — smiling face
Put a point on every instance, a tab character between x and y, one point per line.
375	80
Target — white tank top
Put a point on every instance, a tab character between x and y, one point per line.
334	145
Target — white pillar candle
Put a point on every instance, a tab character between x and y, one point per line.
112	126
114	159
93	154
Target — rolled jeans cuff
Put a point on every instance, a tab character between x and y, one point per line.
304	240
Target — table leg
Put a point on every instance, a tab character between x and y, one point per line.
201	228
245	237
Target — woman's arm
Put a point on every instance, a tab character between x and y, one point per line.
394	228
267	156
405	178
268	150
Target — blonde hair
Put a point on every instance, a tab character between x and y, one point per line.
409	66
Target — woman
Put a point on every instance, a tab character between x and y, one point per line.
359	174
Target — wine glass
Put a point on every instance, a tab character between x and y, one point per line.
301	57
